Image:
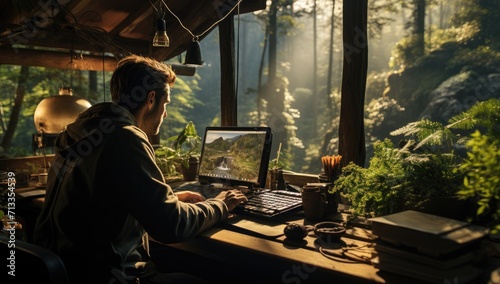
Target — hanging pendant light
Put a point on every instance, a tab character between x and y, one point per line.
160	38
193	54
52	114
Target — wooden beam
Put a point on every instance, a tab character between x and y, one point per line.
183	70
54	59
228	98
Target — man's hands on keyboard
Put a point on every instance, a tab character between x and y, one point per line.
232	198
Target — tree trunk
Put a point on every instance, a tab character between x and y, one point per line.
16	109
315	74
260	88
273	40
275	90
229	116
419	27
355	38
329	104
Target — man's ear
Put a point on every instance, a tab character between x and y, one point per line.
151	100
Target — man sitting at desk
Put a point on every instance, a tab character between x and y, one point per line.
105	192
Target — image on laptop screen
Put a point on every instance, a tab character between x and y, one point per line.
235	156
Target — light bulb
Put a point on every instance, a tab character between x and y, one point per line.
161	38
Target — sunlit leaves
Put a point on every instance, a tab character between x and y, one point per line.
483	180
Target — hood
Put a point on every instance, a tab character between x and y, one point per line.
96	120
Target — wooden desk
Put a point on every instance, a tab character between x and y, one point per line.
222	254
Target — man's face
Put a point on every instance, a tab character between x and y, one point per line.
155	116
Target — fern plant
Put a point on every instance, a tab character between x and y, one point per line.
377	189
478	129
421	168
399	178
483	115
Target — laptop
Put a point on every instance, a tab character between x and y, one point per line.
238	157
235	156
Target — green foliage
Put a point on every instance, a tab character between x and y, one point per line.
165	160
484	115
182	147
184	101
431	174
375	85
483	13
481	56
481	167
376	189
394	176
404	53
41	83
483	164
428	133
483	181
381	117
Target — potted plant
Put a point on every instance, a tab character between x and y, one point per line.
427	166
183	154
477	130
398	179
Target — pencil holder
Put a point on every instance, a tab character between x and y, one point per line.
333	199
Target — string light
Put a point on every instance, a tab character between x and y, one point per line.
213	25
193	53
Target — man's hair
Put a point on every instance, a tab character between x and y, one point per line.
134	77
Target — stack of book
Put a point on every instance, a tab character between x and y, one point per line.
428	247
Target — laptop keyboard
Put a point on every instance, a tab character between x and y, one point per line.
268	203
261	203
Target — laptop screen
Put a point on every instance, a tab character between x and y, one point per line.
235	156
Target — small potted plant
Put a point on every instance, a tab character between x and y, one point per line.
183	154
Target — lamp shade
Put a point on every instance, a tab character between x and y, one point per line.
52	114
193	54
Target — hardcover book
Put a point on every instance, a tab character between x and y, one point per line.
428	234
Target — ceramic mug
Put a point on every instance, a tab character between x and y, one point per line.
313	202
42	176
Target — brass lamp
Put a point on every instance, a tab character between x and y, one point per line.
53	113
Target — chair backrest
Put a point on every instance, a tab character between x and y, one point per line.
31	263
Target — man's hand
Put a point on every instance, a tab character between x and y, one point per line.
232	198
189	196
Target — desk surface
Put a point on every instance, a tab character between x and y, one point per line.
33	195
278	259
233	252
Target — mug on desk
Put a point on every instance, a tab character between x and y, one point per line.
42	177
313	202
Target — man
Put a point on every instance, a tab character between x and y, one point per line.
105	191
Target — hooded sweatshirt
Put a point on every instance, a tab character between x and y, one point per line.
105	191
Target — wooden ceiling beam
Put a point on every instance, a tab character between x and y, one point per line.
54	59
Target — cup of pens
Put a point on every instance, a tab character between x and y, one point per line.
331	171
